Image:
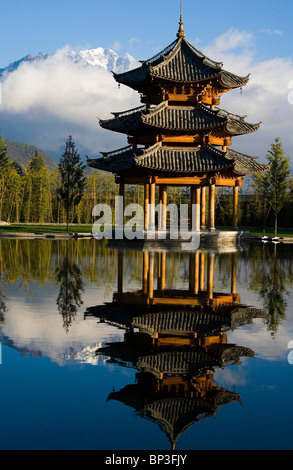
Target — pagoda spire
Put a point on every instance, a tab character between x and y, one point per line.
181	33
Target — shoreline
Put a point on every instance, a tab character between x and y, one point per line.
88	235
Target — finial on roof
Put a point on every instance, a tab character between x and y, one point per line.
181	33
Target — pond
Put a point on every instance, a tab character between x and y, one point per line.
104	349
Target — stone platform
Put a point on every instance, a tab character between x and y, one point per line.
215	240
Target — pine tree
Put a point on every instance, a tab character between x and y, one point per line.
4	167
36	163
72	176
273	186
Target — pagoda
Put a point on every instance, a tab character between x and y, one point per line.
179	136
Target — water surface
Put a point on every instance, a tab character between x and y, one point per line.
123	350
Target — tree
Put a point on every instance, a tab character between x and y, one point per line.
273	186
73	181
36	163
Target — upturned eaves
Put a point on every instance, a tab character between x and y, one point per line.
180	62
181	160
181	119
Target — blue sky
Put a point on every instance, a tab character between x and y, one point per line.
139	27
44	102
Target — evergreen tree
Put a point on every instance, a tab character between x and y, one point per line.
72	176
273	186
4	167
37	163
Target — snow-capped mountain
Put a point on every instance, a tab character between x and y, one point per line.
100	57
105	58
14	65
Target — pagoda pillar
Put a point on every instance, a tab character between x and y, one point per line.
195	200
152	225
163	206
235	207
212	195
203	208
146	205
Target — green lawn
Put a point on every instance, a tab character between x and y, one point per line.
269	232
74	228
45	228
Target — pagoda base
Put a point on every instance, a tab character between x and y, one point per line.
158	241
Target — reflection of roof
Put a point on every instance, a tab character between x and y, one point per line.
181	160
178	118
174	415
176	321
180	62
181	362
176	362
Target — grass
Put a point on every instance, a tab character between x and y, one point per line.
75	228
45	228
268	232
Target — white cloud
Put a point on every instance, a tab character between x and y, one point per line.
278	32
73	95
265	98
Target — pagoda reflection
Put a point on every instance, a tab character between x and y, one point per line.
176	339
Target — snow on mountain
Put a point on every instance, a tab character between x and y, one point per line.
99	57
105	58
14	65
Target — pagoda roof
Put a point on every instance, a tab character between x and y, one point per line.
179	160
180	62
178	118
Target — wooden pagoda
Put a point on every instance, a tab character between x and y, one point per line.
179	136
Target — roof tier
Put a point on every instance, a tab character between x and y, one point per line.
179	119
180	62
177	160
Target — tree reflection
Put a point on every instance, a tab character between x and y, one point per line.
3	308
270	278
71	287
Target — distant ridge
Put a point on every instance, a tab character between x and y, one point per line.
22	153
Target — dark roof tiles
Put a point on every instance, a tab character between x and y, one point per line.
178	160
180	62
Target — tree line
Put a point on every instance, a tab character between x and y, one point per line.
66	194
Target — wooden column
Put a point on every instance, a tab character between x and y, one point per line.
235	206
195	200
146	205
203	208
162	225
212	194
164	201
152	225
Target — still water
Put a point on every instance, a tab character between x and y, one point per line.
123	350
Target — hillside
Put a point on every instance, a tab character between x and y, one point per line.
22	153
